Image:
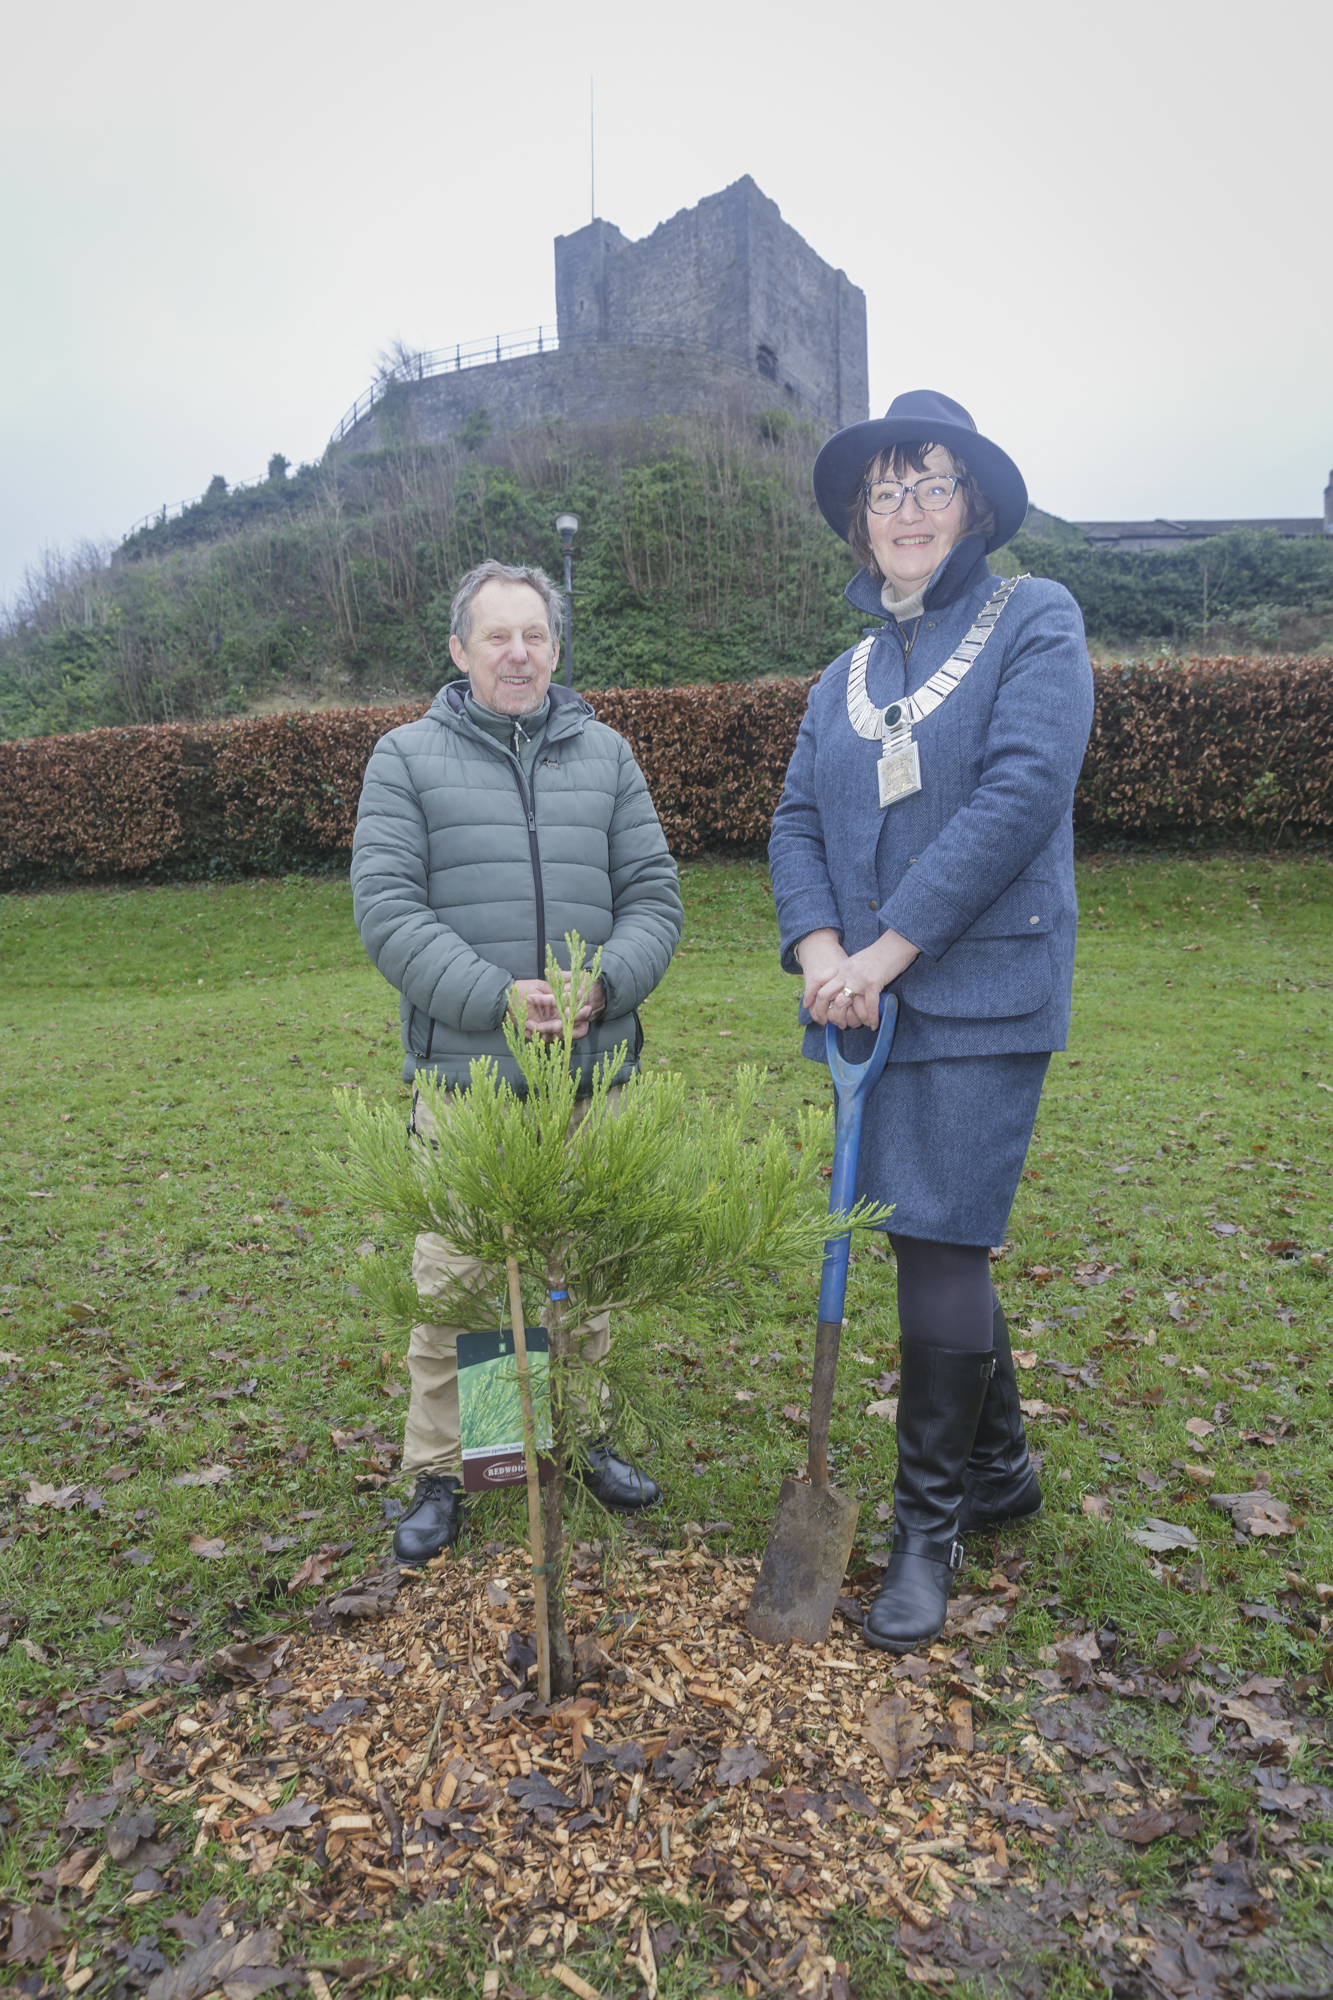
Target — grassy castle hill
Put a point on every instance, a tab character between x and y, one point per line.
700	557
178	1295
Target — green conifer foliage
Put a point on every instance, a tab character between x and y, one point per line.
650	1201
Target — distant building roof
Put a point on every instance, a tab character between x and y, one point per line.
1163	534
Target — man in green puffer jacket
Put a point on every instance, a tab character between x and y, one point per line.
507	817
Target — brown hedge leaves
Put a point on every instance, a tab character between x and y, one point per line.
1220	747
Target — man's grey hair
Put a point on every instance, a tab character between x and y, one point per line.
460	612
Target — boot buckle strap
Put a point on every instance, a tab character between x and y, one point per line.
950	1554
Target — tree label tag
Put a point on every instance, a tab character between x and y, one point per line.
489	1415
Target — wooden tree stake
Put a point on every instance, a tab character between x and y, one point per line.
536	1539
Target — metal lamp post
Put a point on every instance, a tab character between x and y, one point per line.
568	526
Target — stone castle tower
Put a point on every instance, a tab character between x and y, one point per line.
724	306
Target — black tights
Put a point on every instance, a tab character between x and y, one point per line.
945	1296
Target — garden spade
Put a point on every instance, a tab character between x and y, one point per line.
815	1525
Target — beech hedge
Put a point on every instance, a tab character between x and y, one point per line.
1202	750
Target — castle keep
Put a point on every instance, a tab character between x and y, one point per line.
724	306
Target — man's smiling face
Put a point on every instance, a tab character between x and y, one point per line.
509	657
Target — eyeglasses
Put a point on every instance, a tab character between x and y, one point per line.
933	494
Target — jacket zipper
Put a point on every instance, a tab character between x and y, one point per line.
530	807
529	800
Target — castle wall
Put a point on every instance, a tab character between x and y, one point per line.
589	383
729	275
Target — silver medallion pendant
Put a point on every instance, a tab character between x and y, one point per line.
899	774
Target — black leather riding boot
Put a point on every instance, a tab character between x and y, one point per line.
1000	1484
939	1405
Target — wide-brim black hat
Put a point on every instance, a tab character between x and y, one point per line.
921	414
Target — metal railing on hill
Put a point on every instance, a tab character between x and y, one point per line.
444	361
173	513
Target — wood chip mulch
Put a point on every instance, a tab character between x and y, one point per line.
769	1786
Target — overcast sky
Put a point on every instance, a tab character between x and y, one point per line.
1103	227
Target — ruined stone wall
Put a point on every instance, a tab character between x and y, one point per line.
599	383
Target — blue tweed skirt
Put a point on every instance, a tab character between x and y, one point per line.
944	1142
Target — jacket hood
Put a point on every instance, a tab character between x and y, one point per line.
569	711
961	570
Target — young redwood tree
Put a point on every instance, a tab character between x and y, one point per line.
653	1202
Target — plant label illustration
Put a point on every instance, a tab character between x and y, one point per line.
489	1412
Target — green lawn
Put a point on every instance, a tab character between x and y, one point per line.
178	1292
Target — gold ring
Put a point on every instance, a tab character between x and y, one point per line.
849	992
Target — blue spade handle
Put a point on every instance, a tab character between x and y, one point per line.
853	1083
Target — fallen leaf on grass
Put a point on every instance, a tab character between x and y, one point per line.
200	1929
1025	1357
313	1570
213	1475
297	1812
1263	1728
36	1934
1032	1406
215	1965
59	1497
1162	1535
1096	1507
1076	1657
738	1762
115	1473
1255	1513
887	1408
1150	1824
247	1661
795	1416
1197	1427
124	1835
211	1548
1199	1735
895	1731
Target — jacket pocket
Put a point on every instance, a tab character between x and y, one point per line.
982	979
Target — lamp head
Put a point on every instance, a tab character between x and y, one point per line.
567	525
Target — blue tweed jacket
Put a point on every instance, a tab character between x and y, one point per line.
977	868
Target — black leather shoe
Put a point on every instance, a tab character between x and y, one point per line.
999	1484
939	1405
618	1486
433	1520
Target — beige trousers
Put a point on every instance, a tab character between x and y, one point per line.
432	1440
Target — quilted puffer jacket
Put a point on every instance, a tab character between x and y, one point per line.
462	873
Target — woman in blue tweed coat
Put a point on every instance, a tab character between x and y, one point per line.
924	845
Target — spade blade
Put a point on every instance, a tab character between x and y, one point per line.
801	1575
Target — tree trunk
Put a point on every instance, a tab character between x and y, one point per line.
553	1493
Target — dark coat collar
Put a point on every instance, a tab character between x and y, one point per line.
962	569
